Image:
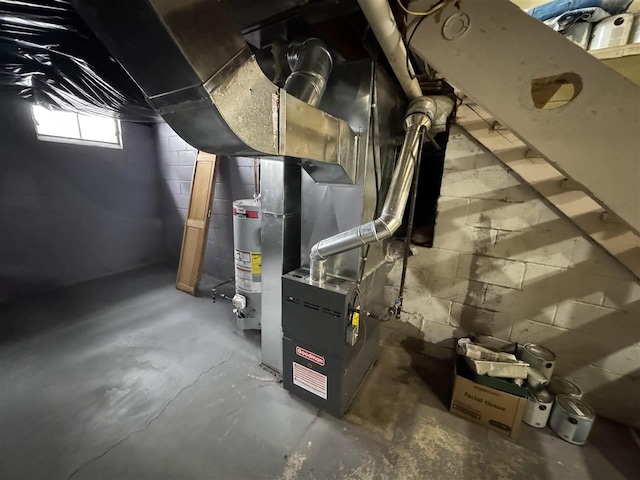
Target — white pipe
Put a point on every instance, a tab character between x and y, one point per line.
383	25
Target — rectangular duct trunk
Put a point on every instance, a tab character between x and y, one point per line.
280	187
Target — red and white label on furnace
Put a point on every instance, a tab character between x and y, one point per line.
306	354
310	380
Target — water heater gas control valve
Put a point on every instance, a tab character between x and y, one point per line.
239	301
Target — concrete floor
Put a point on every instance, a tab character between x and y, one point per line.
125	377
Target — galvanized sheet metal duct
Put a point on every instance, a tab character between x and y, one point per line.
311	64
281	200
195	69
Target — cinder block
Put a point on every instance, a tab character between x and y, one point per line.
390	295
457	290
556	284
181	201
440	334
521	304
622	294
597	321
222	191
415	319
173	186
503	215
593	259
393	276
480	321
244	161
609	407
221	222
166	156
176	144
436	262
465	239
245	175
416	279
186	157
242	191
460	146
485	182
221	236
163	130
491	270
222	207
452	210
178	172
431	308
459	160
546	246
527	331
623	390
624	360
517	192
583	348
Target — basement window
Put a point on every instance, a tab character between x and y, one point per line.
69	127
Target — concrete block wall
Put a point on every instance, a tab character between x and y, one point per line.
71	213
235	180
506	265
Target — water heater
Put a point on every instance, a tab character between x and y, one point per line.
248	263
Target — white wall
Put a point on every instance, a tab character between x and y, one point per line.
504	264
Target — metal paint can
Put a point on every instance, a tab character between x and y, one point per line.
538	409
536	380
572	419
539	358
564	386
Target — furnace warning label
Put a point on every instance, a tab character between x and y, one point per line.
310	380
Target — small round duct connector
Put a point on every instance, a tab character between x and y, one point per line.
455	26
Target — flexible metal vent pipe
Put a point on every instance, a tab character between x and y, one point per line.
384	27
419	116
310	64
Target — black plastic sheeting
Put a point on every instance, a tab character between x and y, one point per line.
48	54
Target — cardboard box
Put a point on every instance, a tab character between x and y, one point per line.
497	410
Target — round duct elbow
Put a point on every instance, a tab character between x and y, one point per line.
311	64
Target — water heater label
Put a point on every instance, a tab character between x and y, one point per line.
256	263
310	380
248	271
306	354
243	259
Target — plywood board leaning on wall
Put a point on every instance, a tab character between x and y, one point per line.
196	225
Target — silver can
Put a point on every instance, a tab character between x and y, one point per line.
536	380
540	358
572	419
564	386
538	409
